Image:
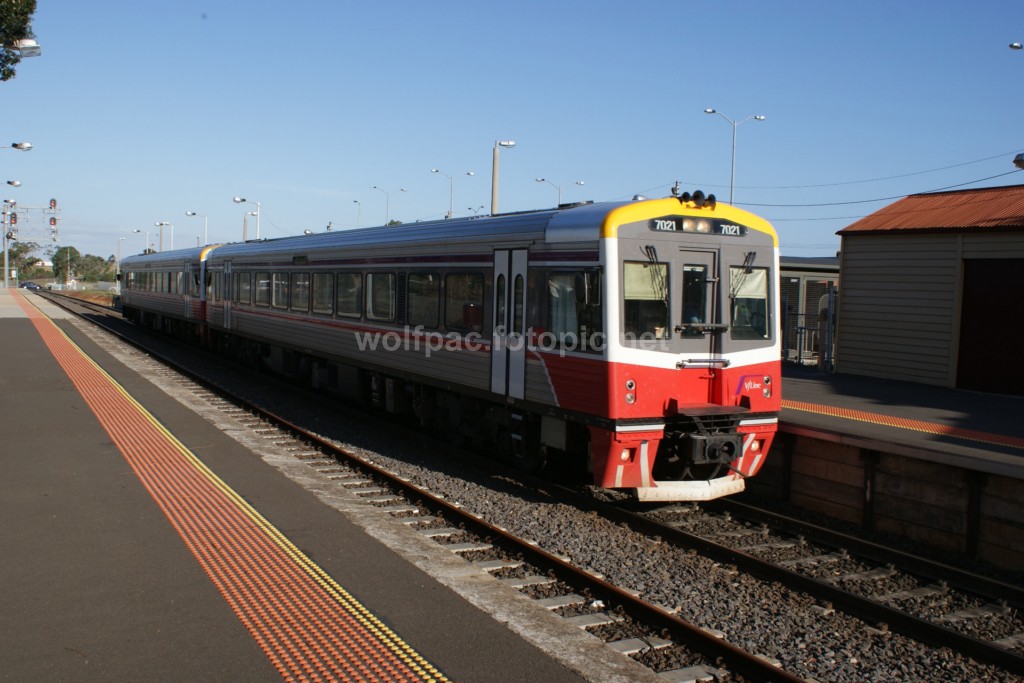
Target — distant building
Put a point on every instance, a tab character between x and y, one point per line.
933	292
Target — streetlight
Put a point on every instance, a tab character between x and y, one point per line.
359	210
451	195
243	200
494	172
387	203
14	183
735	125
557	187
22	146
26	47
162	225
1016	46
206	235
476	211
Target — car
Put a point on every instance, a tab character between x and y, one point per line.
29	285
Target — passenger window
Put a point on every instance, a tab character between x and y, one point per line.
323	293
380	296
262	289
645	290
279	290
423	299
243	288
350	295
575	317
300	292
464	302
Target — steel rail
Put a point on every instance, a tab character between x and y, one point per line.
863	608
967	581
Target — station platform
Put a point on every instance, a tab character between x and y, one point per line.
974	430
141	542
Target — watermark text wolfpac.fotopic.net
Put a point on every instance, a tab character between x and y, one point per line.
420	340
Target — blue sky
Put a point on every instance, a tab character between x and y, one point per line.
141	111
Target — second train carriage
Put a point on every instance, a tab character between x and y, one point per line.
642	336
166	290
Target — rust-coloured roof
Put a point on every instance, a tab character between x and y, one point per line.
985	208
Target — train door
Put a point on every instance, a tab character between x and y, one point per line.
508	336
702	327
188	292
227	294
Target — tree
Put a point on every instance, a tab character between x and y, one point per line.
65	262
15	25
19	255
93	268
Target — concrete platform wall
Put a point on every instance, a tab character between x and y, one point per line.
951	508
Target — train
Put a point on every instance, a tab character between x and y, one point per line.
639	338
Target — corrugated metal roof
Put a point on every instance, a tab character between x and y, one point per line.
985	208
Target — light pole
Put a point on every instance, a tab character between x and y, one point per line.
451	192
206	235
494	172
8	204
145	247
359	211
735	125
245	225
557	187
387	203
24	147
162	225
243	200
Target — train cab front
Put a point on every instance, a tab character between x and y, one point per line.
695	359
694	451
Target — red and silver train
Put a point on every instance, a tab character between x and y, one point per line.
639	337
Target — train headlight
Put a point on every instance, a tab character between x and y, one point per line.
630	384
767	380
766	392
631	398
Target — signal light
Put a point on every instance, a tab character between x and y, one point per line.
53	204
53	221
14	219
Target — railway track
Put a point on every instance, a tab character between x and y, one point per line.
652	633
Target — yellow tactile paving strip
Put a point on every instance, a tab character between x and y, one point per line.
308	626
906	423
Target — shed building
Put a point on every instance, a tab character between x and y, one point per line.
933	291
